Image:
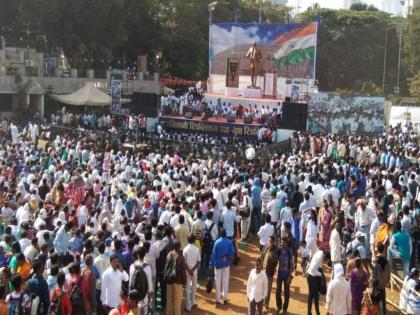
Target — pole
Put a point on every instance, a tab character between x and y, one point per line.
260	13
400	30
399	61
385	55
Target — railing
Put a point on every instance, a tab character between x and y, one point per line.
152	143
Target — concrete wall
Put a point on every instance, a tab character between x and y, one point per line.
70	85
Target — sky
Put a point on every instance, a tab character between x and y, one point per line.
333	4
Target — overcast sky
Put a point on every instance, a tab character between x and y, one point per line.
334	4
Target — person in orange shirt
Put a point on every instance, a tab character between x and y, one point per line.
3	306
24	267
59	297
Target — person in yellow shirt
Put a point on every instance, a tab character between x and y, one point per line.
182	232
133	302
24	267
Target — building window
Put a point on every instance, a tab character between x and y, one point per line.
6	102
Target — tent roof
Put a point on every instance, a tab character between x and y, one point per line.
89	95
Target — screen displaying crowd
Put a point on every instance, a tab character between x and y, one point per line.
345	115
87	232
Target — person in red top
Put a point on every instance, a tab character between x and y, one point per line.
59	297
89	285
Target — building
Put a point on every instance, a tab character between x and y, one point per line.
349	3
28	76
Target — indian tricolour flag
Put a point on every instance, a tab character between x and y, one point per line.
296	46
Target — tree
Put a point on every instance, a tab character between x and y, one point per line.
351	47
414	84
412	51
363	7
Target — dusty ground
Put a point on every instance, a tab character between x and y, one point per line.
237	291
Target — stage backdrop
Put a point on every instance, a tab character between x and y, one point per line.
287	49
345	115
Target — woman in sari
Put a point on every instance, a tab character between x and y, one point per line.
78	189
358	281
326	227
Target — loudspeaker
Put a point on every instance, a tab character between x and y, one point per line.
188	115
248	120
294	116
231	118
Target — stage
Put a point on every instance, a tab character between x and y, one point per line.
244	101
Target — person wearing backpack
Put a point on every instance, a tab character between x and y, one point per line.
209	235
77	293
59	299
37	287
140	279
175	278
160	268
18	302
89	285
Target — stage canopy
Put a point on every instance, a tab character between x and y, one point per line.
88	95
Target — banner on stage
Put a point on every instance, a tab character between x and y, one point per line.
219	129
232	72
332	113
289	50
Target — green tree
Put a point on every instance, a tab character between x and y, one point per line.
412	51
414	83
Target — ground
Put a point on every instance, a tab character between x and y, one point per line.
237	291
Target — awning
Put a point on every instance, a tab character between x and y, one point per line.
89	95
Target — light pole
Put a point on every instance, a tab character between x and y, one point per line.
385	55
400	29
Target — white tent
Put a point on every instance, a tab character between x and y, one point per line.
89	95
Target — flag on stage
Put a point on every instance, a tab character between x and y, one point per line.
296	46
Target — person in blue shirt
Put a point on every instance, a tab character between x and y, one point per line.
38	287
400	247
284	275
256	205
221	258
229	218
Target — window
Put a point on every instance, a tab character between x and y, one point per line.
6	102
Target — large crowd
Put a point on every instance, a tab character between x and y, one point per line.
193	102
86	232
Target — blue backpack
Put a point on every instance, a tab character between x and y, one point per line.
15	305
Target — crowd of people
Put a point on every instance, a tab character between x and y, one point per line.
192	102
86	232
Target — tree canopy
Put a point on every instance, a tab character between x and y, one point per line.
103	33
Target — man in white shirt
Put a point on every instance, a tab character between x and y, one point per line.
273	205
265	231
335	244
314	279
192	259
338	293
101	263
363	219
111	283
319	191
257	289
